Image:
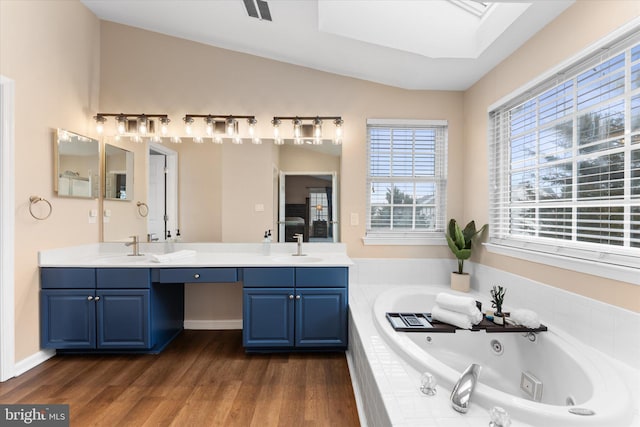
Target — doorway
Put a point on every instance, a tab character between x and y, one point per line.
308	205
162	193
7	223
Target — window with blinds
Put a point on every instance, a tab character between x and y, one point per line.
407	177
565	161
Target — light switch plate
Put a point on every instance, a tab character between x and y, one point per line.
355	219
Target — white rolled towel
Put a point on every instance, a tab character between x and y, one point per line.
459	304
527	318
173	256
456	319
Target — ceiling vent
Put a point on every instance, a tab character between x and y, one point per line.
258	9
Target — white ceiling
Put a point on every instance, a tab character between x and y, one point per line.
412	44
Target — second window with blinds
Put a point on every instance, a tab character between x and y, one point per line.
407	181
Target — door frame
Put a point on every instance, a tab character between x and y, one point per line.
7	233
171	189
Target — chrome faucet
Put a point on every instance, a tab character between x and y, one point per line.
299	237
136	246
463	389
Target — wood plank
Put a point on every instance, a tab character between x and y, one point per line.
203	378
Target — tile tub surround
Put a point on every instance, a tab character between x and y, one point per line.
382	377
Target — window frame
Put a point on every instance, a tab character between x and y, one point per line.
403	236
601	260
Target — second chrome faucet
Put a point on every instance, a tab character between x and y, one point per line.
299	238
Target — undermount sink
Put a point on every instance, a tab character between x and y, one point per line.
291	259
123	259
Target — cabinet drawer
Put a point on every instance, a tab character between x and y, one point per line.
192	275
269	276
320	277
123	278
67	278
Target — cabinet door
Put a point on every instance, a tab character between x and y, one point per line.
268	317
68	319
321	317
123	319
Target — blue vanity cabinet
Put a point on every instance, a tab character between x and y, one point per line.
107	309
295	308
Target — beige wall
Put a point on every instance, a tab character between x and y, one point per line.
51	50
62	57
581	25
162	74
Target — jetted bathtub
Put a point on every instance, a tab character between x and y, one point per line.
573	376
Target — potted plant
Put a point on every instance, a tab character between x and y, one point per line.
459	241
497	299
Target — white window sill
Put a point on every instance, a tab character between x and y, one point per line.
595	268
404	239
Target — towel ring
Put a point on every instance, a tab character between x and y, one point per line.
143	209
36	199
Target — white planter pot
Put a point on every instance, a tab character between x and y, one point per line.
460	282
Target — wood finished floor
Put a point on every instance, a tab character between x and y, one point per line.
204	378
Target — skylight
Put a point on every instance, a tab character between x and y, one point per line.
476	8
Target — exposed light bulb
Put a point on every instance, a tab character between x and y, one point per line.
188	122
317	128
276	130
338	139
122	127
209	128
232	126
164	125
142	125
99	127
297	126
252	127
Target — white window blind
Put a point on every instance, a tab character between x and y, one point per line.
407	177
565	161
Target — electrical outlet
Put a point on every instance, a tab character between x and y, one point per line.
355	219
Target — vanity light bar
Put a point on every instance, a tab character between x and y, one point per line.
142	124
307	132
218	126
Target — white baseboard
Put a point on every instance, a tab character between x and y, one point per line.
213	324
32	361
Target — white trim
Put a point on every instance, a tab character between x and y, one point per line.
32	361
7	233
609	38
401	239
213	324
609	271
406	122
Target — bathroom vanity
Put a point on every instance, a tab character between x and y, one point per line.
96	298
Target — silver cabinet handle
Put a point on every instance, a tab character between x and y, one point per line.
97	298
196	276
89	298
297	296
290	296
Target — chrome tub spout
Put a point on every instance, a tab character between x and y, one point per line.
463	389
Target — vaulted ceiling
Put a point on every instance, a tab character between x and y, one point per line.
412	44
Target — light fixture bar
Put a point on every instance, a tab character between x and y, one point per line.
131	123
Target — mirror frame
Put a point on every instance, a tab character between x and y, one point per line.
62	135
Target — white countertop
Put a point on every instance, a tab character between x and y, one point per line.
116	255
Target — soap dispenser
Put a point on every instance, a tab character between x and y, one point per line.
266	244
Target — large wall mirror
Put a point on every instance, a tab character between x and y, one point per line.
231	192
76	165
118	173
